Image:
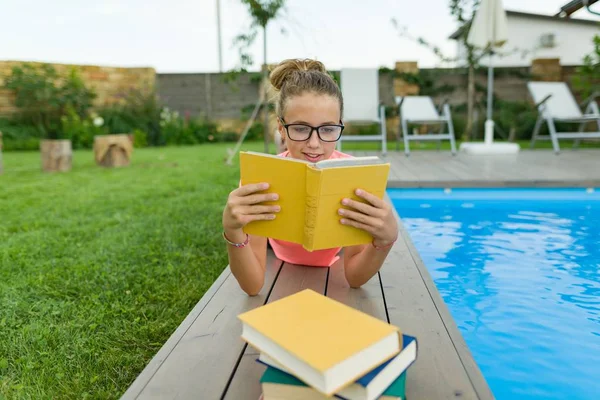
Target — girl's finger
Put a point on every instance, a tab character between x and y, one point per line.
358	217
362	207
372	199
250	188
356	224
258	198
260	217
253	210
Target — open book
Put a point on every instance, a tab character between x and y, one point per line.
310	195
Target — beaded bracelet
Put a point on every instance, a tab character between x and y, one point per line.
238	245
387	246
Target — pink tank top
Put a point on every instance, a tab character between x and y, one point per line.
295	253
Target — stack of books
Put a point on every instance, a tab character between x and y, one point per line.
315	347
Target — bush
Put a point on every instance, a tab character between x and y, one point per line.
228	136
140	138
519	116
18	137
80	130
203	130
43	97
256	131
370	129
141	110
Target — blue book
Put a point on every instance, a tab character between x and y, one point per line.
378	382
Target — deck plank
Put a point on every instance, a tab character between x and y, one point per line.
528	168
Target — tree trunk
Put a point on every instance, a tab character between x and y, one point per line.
470	103
512	135
56	155
265	88
113	150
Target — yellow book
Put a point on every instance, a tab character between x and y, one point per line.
310	195
326	344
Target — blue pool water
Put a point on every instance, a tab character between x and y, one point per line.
520	273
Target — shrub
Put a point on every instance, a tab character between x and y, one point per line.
43	97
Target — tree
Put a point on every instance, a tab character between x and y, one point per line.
43	96
587	79
262	12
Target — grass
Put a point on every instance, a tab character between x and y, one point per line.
99	266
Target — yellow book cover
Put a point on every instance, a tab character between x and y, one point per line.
310	195
322	342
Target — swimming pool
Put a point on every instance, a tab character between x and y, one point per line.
520	272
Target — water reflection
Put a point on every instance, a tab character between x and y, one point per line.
522	280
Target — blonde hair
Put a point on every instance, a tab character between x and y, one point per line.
294	77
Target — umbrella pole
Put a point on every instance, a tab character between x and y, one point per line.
489	123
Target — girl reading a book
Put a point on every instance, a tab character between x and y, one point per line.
309	107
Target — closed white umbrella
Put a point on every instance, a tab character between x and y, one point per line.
489	29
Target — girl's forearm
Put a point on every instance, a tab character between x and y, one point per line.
245	266
364	265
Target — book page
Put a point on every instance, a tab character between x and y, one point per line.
348	162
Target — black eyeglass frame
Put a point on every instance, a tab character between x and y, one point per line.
312	128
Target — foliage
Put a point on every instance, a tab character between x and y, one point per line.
17	136
184	131
139	109
587	79
516	116
262	12
140	139
44	97
426	80
81	131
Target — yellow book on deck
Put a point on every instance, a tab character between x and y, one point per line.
322	342
310	195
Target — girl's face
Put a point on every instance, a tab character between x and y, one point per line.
314	110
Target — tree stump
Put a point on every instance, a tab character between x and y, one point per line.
113	150
57	155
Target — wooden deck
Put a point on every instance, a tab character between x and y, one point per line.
574	168
205	357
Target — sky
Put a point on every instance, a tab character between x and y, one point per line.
181	35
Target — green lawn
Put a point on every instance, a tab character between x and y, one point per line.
98	267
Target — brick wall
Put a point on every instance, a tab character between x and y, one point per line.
110	83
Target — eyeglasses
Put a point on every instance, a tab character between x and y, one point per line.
303	132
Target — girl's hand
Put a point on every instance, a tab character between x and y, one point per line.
376	217
244	206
